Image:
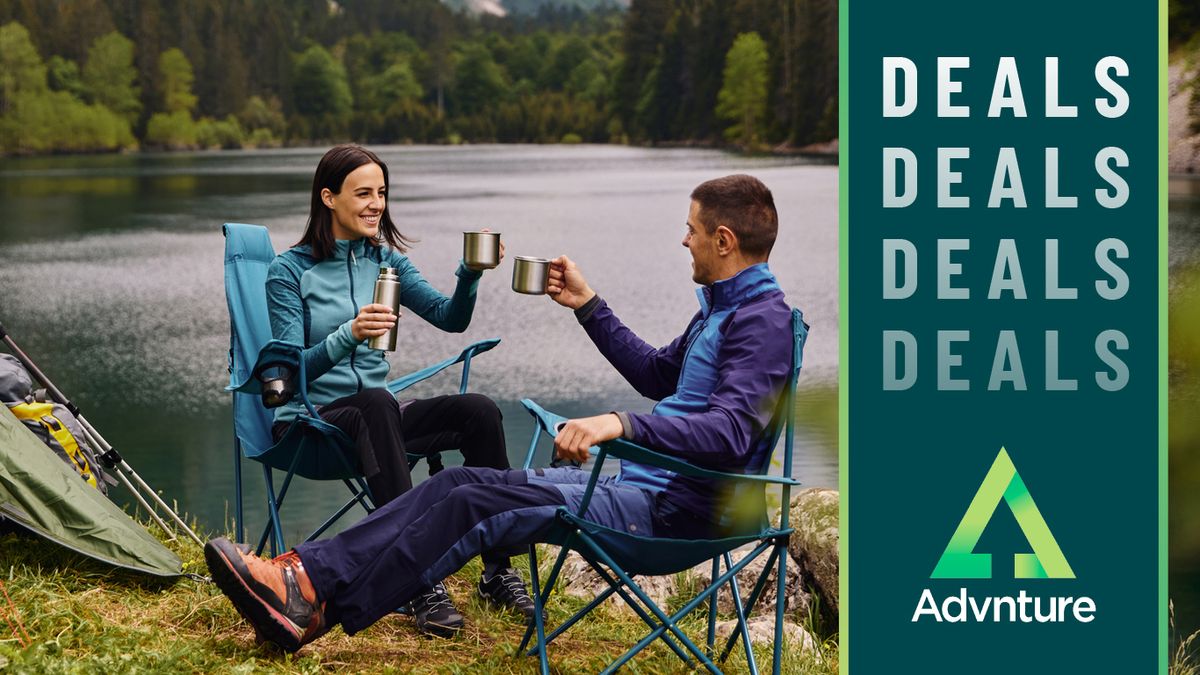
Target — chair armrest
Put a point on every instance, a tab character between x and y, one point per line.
274	353
545	422
405	381
623	449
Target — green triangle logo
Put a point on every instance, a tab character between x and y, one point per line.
1002	481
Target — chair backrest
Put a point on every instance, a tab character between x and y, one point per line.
785	416
248	253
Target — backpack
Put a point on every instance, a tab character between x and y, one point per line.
51	422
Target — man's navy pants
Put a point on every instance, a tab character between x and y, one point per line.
431	531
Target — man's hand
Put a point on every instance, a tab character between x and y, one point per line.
576	436
567	286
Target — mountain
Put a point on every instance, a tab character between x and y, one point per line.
506	7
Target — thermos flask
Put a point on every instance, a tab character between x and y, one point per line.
387	292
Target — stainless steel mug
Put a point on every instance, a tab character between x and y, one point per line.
387	292
481	249
530	275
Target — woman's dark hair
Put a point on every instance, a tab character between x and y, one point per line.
331	173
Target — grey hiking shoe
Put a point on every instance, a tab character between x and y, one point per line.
507	590
435	614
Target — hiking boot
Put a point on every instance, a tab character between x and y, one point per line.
275	596
506	589
434	613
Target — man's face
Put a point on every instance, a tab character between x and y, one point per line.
703	247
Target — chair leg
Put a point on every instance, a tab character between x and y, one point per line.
239	530
542	595
667	623
780	596
274	526
712	608
741	617
754	596
543	660
615	586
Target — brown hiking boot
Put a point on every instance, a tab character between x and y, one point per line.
275	596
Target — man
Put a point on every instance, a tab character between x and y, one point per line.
716	384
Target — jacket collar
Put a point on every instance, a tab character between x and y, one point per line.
343	247
741	287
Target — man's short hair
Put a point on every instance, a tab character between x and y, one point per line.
744	205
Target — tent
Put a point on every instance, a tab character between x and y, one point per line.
41	494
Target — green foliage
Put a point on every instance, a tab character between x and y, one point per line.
175	83
56	121
381	72
319	86
225	134
259	115
479	81
21	69
109	76
172	131
396	84
63	75
743	97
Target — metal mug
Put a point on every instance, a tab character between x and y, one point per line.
530	275
481	249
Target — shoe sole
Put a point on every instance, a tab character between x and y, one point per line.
438	630
529	618
266	620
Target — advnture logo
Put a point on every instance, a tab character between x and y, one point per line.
960	561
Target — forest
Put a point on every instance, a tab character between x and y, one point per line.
110	75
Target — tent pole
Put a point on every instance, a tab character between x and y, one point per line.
107	454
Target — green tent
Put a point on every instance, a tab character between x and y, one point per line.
40	493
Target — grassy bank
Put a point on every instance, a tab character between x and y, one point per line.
81	616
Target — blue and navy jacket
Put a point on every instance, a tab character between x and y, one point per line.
312	303
717	385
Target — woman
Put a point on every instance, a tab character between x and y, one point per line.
319	295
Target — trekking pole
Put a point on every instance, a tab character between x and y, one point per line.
109	455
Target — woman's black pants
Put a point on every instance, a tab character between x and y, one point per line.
384	430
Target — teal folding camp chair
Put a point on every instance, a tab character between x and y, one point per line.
618	556
311	448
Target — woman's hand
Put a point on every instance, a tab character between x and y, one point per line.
566	284
372	321
477	268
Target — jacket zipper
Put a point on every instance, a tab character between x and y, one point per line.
350	263
695	338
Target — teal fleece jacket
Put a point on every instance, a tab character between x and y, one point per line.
312	303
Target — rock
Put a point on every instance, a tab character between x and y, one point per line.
796	603
762	631
578	579
814	546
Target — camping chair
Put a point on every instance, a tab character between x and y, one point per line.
617	556
311	447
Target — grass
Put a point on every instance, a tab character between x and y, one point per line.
84	617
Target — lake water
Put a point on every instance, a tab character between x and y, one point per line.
111	279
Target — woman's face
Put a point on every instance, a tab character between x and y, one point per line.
358	208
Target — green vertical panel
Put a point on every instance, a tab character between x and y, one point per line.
1015	468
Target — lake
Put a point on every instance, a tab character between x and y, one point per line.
111	280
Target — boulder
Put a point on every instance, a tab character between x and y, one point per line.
796	602
762	632
578	579
814	547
